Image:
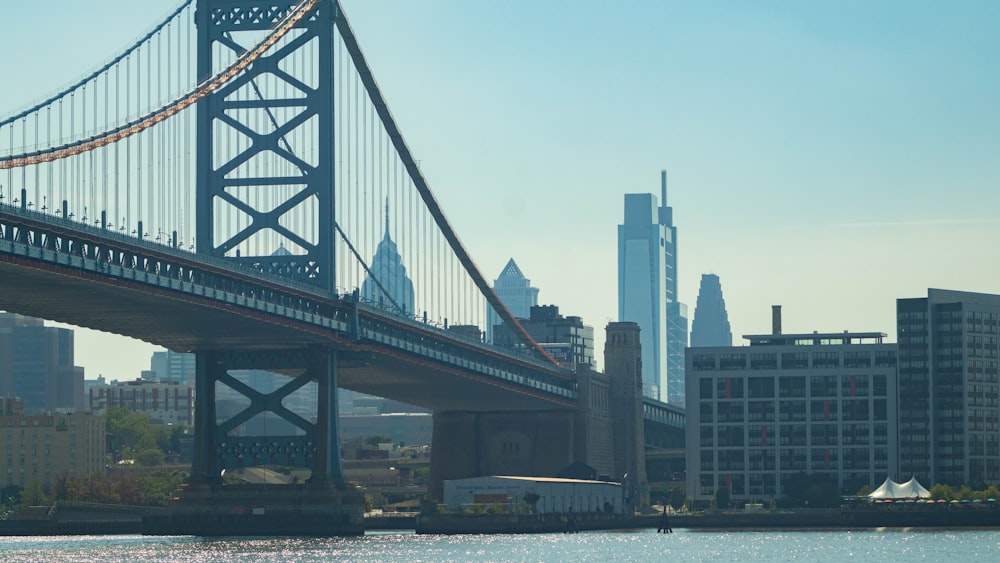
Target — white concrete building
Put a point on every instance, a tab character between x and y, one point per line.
555	496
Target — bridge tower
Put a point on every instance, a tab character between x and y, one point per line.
265	173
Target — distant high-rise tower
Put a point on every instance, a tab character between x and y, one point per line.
710	326
647	292
948	371
387	267
36	365
516	293
677	313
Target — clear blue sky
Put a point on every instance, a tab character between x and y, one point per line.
826	156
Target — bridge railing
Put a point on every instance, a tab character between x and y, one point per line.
104	249
664	413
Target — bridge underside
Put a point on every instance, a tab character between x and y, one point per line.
184	322
165	318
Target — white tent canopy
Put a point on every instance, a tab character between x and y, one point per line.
892	490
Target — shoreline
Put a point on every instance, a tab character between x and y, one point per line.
809	519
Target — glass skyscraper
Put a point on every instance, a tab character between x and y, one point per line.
647	292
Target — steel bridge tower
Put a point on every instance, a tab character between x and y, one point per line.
280	114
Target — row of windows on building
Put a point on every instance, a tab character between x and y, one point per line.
767	387
792	360
816	410
771	485
762	435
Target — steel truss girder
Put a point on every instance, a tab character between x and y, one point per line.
216	19
317	449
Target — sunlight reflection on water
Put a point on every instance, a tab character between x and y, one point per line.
637	545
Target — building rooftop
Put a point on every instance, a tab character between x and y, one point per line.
815	339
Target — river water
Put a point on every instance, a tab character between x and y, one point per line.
635	545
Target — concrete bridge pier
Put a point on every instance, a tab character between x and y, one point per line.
324	505
473	444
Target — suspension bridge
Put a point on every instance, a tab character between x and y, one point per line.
234	185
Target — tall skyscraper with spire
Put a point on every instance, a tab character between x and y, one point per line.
710	326
394	286
677	313
647	292
516	293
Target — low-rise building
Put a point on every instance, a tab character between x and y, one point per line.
547	495
43	446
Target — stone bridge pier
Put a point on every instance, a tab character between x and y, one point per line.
604	432
472	444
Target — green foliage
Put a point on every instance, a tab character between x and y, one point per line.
149	456
134	437
159	486
942	492
863	491
33	494
991	492
68	486
966	493
376	440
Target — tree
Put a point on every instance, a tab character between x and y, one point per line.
677	497
942	492
68	487
33	494
376	440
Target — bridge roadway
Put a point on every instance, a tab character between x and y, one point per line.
87	276
67	271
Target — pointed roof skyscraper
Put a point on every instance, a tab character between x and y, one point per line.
710	326
387	267
516	293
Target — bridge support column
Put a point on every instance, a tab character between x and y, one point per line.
322	506
476	444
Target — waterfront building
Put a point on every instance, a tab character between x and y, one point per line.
551	495
949	363
647	292
164	402
516	293
710	326
820	403
393	286
36	365
43	446
566	339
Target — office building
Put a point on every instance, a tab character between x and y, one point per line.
710	326
43	446
566	339
647	292
516	293
164	402
819	403
949	361
36	365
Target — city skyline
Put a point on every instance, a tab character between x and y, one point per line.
829	159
